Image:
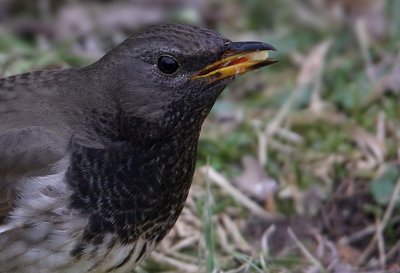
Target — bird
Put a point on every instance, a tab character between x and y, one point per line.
96	162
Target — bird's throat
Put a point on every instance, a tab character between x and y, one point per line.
124	187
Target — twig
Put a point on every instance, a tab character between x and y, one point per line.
320	244
187	242
190	218
278	146
223	239
182	257
305	251
290	136
388	213
209	238
381	244
392	203
363	39
265	239
262	148
273	126
234	231
381	128
357	235
393	251
185	267
222	182
242	268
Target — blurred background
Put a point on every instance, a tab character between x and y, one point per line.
298	165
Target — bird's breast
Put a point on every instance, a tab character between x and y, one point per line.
131	191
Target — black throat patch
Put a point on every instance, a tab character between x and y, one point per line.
130	190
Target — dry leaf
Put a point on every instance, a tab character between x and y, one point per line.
372	149
348	253
313	64
254	181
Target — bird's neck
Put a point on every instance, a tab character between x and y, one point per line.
124	186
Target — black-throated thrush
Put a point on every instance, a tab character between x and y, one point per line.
96	162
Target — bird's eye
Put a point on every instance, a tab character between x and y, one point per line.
167	64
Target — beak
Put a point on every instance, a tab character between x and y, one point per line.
238	58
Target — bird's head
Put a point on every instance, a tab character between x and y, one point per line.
168	77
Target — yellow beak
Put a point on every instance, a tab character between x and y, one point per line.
238	58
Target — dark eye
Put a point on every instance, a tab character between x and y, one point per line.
167	64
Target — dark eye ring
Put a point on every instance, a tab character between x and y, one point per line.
167	64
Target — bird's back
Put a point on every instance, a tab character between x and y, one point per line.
31	130
29	99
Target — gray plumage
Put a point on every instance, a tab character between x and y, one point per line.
96	162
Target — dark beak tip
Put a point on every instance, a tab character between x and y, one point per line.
239	47
266	46
268	62
271	47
